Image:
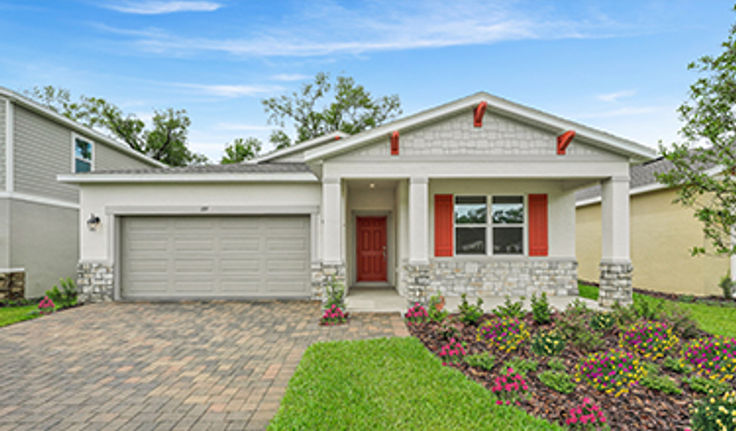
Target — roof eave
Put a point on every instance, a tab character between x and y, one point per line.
289	177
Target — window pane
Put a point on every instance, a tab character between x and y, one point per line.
470	240
83	150
82	166
508	209
470	209
508	240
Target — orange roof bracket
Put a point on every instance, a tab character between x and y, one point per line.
395	143
563	141
478	113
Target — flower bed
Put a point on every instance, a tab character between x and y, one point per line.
619	359
713	357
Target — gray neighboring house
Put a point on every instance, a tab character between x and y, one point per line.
39	217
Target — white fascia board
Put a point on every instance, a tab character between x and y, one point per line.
299	147
299	177
633	150
84	130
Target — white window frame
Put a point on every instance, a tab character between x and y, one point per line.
74	152
489	225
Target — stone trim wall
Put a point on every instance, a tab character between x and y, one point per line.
615	284
12	286
95	282
322	274
498	277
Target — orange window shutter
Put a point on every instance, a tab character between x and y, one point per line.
443	213
538	243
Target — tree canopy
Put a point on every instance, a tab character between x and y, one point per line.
165	140
240	150
323	106
709	130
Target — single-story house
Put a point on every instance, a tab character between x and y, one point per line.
475	196
662	234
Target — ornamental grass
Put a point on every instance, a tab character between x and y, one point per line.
612	372
652	340
503	333
713	357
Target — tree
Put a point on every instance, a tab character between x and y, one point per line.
165	141
240	150
322	107
709	131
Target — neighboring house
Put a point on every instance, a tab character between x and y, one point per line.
474	196
662	234
39	217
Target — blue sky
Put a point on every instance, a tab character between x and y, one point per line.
616	65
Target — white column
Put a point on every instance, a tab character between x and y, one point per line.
419	221
615	220
331	221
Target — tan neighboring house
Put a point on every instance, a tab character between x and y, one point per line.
662	234
39	217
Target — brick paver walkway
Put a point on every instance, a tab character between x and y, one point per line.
182	366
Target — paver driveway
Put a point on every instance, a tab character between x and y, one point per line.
200	366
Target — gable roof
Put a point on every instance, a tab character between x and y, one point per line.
302	146
630	149
73	125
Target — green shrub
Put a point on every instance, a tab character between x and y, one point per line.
673	364
556	364
470	314
715	412
558	381
727	285
484	361
574	327
660	383
602	321
66	297
705	386
649	309
503	333
448	331
521	365
547	343
510	308
540	309
623	315
335	294
437	314
577	307
682	322
687	298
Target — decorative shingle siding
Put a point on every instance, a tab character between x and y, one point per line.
42	150
2	144
499	136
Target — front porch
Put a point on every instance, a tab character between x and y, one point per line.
393	233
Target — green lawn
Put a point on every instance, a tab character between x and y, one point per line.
711	318
389	384
10	315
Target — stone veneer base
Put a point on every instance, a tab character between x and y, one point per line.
499	277
322	274
95	282
615	284
12	285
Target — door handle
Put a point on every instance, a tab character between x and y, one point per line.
383	251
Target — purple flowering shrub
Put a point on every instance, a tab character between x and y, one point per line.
46	306
333	316
713	357
416	314
652	340
452	352
509	387
612	372
586	416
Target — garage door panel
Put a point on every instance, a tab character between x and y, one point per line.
205	256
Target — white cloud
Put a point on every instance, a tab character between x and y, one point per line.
326	28
224	90
615	96
289	77
157	7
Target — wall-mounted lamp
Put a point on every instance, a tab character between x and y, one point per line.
94	222
372	185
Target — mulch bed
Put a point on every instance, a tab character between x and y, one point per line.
640	409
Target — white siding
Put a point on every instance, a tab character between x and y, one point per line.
2	144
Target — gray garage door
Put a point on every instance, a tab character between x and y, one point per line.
215	257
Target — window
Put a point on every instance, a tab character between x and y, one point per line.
508	224
82	155
476	226
470	224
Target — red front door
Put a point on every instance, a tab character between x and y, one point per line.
371	248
